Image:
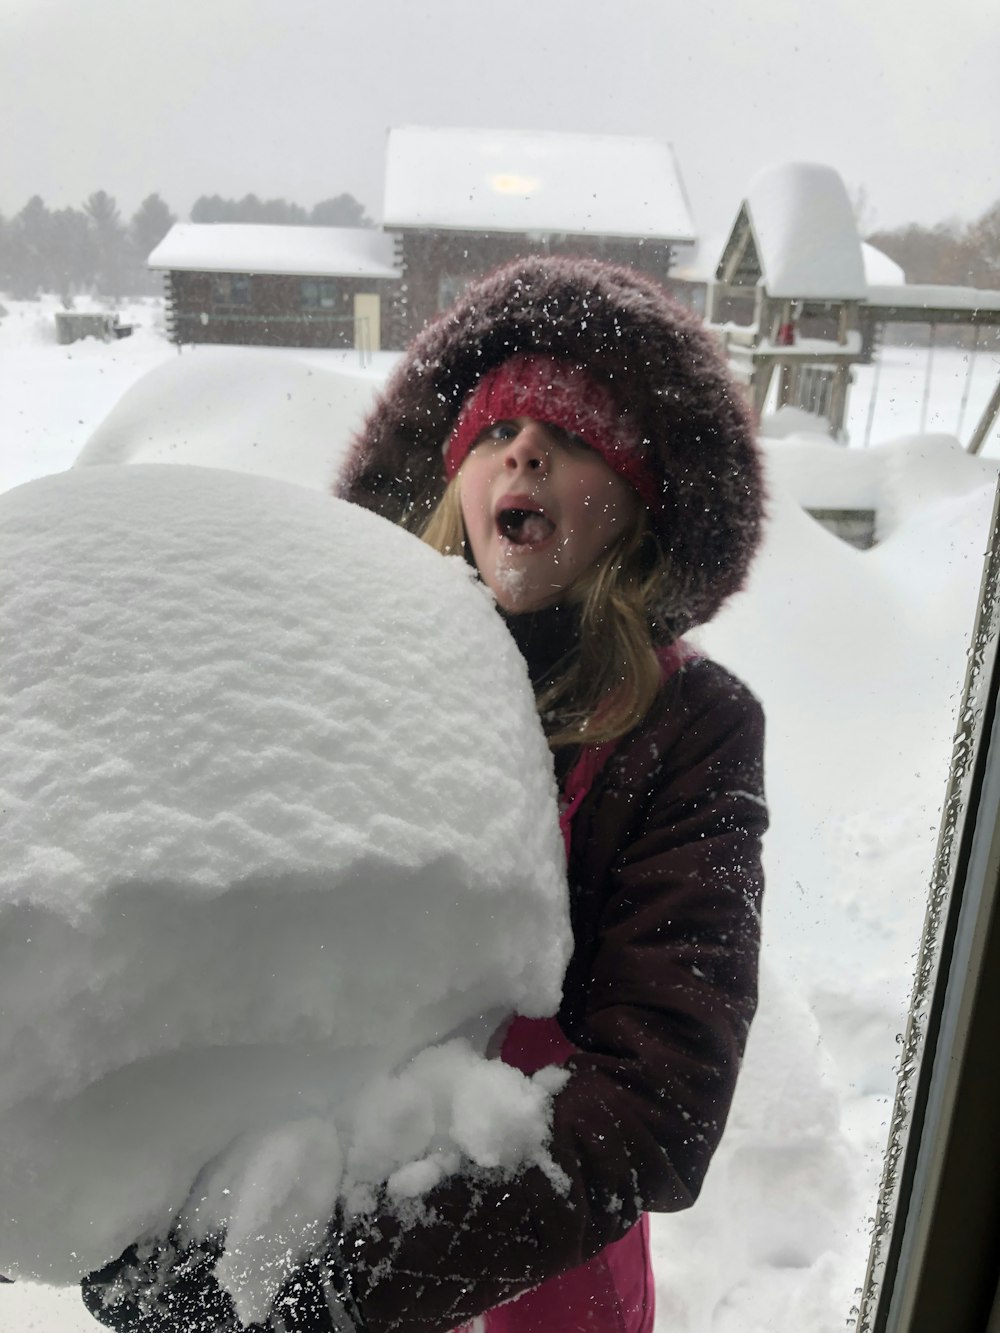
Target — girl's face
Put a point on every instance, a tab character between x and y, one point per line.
540	507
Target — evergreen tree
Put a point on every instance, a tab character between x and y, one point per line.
73	252
113	249
212	208
250	209
150	223
341	211
29	249
280	212
4	254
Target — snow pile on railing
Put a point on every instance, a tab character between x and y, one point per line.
278	816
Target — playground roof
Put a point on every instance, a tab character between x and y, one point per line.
807	240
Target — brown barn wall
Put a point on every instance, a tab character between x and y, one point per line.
437	264
274	315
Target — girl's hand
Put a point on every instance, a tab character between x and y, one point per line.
162	1286
158	1287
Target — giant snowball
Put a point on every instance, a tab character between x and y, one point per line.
278	815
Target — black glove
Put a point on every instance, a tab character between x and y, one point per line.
317	1298
160	1287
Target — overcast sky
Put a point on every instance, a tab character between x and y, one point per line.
293	98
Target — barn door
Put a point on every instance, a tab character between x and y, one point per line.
367	314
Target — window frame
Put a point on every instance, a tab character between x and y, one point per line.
323	304
934	1259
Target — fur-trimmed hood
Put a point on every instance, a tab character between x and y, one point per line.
663	370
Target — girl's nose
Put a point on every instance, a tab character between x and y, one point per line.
528	449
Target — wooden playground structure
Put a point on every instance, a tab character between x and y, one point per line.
791	302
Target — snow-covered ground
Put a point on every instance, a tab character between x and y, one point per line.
859	660
960	384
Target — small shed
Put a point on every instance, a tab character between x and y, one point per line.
464	201
788	287
278	285
74	325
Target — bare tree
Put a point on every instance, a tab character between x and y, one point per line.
984	237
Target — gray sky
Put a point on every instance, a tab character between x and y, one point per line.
293	97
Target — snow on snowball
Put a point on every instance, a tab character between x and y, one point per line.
279	817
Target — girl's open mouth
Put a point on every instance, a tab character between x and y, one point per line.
524	527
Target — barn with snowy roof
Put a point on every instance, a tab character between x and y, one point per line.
278	285
463	201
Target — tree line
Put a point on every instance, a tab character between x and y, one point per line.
96	249
953	253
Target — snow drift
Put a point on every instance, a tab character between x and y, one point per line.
277	412
279	816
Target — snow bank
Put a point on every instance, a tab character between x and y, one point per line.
260	411
859	658
898	480
51	397
279	815
780	1195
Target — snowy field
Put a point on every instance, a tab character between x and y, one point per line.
915	391
858	658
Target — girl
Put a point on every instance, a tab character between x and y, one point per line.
576	436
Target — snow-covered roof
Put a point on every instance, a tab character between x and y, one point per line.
515	180
239	247
880	270
806	236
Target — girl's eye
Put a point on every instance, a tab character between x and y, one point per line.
498	432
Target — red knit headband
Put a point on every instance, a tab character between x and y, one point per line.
560	394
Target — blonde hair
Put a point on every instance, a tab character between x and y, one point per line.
612	682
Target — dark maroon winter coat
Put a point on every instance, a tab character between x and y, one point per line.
665	881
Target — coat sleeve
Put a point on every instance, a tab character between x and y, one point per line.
669	989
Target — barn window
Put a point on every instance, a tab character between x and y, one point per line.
231	289
450	288
318	295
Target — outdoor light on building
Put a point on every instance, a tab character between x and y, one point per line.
511	184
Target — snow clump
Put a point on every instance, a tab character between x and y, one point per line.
281	853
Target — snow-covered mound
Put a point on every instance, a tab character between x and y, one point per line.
51	396
278	815
897	480
273	412
780	1194
858	657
